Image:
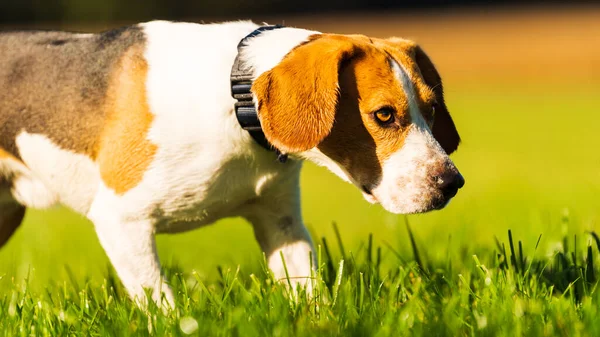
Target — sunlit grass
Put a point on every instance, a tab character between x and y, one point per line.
500	292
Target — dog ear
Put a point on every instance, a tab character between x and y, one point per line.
297	99
444	130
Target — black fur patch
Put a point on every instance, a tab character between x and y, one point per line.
107	38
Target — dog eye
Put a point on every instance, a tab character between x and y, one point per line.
433	108
384	116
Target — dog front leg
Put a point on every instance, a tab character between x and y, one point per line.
285	241
131	247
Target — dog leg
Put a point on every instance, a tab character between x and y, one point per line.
131	248
11	216
281	233
11	212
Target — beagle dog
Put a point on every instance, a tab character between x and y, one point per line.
144	130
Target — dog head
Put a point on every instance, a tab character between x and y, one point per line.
372	111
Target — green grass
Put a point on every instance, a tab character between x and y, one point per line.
353	295
531	165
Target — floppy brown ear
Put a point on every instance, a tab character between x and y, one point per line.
297	99
443	129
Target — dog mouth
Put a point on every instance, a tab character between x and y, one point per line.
441	202
435	203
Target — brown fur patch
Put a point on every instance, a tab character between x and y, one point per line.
305	84
7	155
428	84
125	152
4	154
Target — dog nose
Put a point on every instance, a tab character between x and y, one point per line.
450	184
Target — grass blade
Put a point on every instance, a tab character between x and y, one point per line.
338	282
596	239
340	243
513	256
415	250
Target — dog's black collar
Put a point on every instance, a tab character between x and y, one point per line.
245	111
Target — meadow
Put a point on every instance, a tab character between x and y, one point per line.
524	90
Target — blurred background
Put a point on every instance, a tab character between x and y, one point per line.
138	10
522	80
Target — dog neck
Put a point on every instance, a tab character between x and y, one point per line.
241	84
243	73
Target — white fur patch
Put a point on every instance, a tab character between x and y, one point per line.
32	192
55	175
262	56
406	186
319	158
203	153
27	188
10	167
296	256
130	246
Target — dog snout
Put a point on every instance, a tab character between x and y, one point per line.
449	181
451	185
